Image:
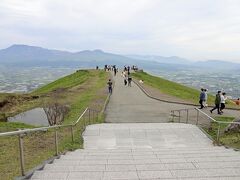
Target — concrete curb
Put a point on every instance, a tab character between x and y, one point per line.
162	100
172	102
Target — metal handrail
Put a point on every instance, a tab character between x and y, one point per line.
80	117
22	133
11	133
221	122
208	117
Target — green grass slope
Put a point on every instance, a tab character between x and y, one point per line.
85	88
78	90
69	81
175	89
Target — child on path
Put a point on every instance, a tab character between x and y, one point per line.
125	80
110	86
223	101
129	81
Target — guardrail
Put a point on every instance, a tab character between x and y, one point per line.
194	115
47	137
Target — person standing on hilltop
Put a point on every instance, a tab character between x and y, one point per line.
110	86
202	98
115	71
217	102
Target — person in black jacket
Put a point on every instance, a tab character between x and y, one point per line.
217	103
110	86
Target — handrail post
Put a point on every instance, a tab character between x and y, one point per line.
89	116
187	117
72	133
173	115
179	118
56	142
22	163
197	117
97	116
218	133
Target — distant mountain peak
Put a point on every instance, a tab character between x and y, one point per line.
21	45
98	51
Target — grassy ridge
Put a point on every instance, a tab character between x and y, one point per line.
79	90
175	89
69	81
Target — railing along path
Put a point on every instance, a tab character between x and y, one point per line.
177	113
21	134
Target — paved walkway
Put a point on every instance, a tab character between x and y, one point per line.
131	150
130	104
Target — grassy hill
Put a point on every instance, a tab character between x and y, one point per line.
175	89
84	88
69	81
78	90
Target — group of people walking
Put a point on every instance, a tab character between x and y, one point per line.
127	79
111	68
220	101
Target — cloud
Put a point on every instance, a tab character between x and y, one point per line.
193	29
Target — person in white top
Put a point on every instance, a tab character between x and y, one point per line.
223	101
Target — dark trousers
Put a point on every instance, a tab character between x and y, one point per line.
201	103
110	90
222	106
217	106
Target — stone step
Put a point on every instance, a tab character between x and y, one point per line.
176	149
145	160
148	156
227	173
169	152
160	166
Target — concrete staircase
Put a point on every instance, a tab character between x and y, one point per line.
145	151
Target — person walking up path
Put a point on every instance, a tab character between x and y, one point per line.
110	86
217	103
202	98
223	101
129	81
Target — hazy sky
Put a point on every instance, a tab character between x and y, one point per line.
194	29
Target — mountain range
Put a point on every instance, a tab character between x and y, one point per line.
24	55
